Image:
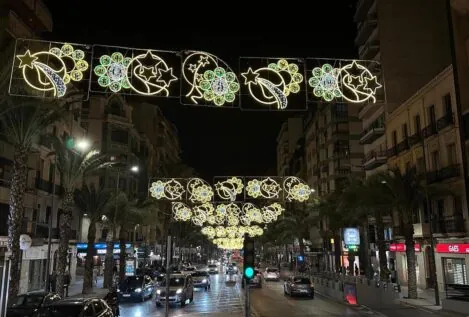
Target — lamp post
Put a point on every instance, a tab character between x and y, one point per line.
49	232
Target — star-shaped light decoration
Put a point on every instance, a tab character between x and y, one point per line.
250	76
203	60
148	59
372	84
26	60
166	76
355	69
147	72
192	67
355	81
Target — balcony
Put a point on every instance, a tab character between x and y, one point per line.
421	229
373	159
445	173
364	30
449	225
363	6
369	50
43	185
429	130
415	139
366	110
392	151
370	134
401	147
444	122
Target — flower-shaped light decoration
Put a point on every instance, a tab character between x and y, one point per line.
229	188
252	213
199	191
219	86
74	73
233	220
296	189
229	244
209	232
220	231
266	188
255	231
181	212
325	82
170	189
112	71
231	232
200	213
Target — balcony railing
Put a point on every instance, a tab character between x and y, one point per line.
374	159
429	130
365	28
415	139
451	224
362	9
392	151
370	134
447	172
43	185
444	121
401	147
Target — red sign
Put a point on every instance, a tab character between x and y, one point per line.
460	248
400	247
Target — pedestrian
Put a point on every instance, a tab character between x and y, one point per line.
356	269
67	280
112	299
95	276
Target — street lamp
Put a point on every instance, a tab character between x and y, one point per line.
134	169
83	144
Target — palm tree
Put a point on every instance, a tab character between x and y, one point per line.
21	125
73	168
407	192
93	203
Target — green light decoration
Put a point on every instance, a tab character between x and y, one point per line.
219	86
325	82
112	71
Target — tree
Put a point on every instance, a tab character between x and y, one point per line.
93	203
407	192
73	168
21	125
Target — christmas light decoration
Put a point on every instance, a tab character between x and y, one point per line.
296	189
181	212
200	214
273	84
150	74
352	82
170	189
209	79
209	232
230	188
266	188
199	190
271	212
229	244
112	71
52	70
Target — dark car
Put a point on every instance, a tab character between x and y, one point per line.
27	304
298	285
256	281
181	289
77	307
159	279
136	287
201	279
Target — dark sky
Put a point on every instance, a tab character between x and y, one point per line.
216	141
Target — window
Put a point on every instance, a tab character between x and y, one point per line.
418	127
120	136
435	159
98	307
457	205
88	311
48	213
51	173
54	130
394	138
421	165
447	104
405	133
34	215
451	152
455	271
440	209
431	115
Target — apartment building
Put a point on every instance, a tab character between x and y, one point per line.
287	140
424	133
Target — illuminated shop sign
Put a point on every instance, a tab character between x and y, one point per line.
100	246
400	247
459	248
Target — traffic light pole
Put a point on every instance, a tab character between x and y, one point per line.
247	303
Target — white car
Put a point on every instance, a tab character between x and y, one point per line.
271	274
189	270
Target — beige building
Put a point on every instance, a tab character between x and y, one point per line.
424	132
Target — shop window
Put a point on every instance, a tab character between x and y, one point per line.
455	271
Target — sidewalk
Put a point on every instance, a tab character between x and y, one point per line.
426	299
75	289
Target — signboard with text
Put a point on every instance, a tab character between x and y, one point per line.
458	248
400	247
351	236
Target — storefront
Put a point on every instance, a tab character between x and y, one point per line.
99	253
452	261
400	263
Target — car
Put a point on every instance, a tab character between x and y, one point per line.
213	269
271	274
159	279
89	307
28	304
181	289
299	285
232	269
189	270
201	279
256	281
136	287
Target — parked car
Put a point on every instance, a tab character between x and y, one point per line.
89	307
136	287
181	289
28	304
271	274
201	279
256	281
213	269
298	285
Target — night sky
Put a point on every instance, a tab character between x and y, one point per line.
215	141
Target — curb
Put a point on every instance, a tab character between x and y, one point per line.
419	307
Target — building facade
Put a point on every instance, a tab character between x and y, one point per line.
423	133
290	132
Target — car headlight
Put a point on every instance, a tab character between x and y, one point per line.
138	290
204	280
179	291
158	291
118	290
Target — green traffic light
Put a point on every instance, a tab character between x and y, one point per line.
249	272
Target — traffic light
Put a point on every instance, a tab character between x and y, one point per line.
248	252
